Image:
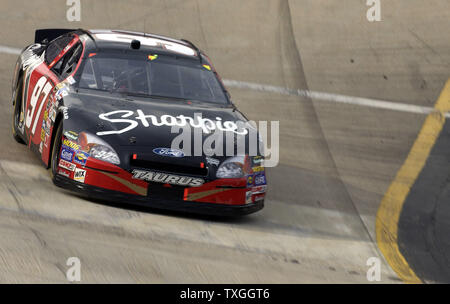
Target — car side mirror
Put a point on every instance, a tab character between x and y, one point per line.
43	47
44	42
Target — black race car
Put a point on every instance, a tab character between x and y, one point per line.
131	117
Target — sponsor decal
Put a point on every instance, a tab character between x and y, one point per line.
71	144
48	123
168	152
46	140
67	165
259	189
45	127
51	100
212	161
259	197
62	89
258	169
53	114
207	125
21	125
260	179
66	154
70	80
207	67
47	113
152	57
248	197
257	161
250	181
80	158
63	173
152	176
59	86
71	135
79	175
63	92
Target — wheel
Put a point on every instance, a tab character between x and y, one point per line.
54	160
18	112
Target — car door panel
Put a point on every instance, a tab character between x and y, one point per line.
42	82
39	96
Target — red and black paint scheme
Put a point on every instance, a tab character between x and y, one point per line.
116	146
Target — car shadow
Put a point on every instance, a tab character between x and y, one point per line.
244	219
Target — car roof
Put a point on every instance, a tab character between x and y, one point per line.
120	39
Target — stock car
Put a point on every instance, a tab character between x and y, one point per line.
101	109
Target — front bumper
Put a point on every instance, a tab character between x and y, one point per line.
159	203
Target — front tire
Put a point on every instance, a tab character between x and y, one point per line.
54	160
17	112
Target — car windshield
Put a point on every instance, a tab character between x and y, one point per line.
154	76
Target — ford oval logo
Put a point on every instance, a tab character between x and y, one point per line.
168	152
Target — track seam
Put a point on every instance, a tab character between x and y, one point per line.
332	160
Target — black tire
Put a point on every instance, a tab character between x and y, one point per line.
17	110
56	147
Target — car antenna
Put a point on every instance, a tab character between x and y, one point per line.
199	53
90	36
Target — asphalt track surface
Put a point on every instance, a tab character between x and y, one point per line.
424	225
336	160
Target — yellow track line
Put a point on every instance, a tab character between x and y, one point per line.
391	205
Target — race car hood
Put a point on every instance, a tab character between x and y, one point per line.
147	123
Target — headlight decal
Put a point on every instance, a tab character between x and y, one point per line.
87	145
230	170
105	153
240	166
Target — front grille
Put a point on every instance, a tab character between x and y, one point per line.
169	168
170	192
